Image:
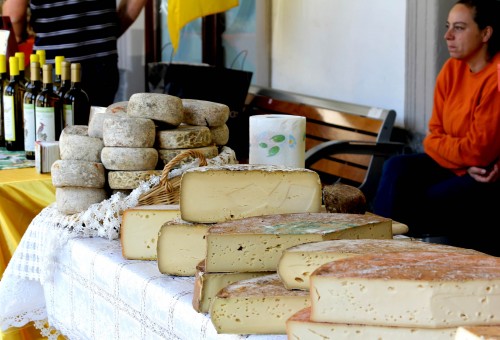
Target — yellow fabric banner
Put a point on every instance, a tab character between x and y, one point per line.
180	12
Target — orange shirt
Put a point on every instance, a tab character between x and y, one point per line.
464	129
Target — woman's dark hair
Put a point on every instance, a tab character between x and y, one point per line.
487	13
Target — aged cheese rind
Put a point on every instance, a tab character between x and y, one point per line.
96	123
298	262
408	289
130	179
220	134
207	285
184	137
166	155
204	113
160	107
72	200
129	132
117	158
75	143
478	333
76	173
234	191
257	243
299	326
140	227
256	306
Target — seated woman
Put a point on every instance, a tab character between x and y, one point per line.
453	188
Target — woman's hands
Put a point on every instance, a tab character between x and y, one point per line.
485	175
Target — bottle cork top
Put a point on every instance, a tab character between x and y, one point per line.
47	73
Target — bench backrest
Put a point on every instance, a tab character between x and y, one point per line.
329	120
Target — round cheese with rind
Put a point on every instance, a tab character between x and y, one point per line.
204	113
220	134
184	137
70	172
73	200
160	107
130	179
96	123
166	155
131	132
75	143
122	158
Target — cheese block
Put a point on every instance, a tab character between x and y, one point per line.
121	158
140	227
220	134
204	113
181	246
478	333
72	200
166	155
183	137
96	123
129	132
75	173
256	306
130	179
75	143
343	198
297	263
234	191
408	289
299	326
162	108
207	285
257	243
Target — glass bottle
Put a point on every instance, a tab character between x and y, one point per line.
48	112
57	73
41	60
3	83
22	71
13	108
65	79
76	101
32	90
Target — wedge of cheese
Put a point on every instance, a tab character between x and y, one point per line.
256	243
181	246
298	262
234	191
139	229
299	326
256	306
207	285
478	333
408	289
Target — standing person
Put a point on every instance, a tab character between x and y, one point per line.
453	187
85	32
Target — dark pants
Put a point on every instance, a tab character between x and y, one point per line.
100	80
433	201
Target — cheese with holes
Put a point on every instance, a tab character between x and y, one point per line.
72	200
162	108
130	179
75	143
478	333
140	227
204	113
256	243
299	326
408	289
207	285
118	158
75	173
181	246
256	306
166	155
184	137
297	263
220	134
234	191
129	132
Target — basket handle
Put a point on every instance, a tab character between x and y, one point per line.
173	162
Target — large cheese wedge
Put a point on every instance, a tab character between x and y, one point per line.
298	262
299	326
256	243
181	246
234	191
256	306
408	289
207	285
140	227
478	333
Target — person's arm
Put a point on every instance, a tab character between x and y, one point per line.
485	175
16	10
128	11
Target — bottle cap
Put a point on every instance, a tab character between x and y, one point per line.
34	57
3	63
20	55
14	66
59	58
41	56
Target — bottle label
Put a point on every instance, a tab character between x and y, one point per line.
29	127
9	119
68	115
45	124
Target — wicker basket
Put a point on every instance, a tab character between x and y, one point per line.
168	190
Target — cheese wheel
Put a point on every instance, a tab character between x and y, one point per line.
130	179
97	121
117	108
75	143
72	200
76	173
162	108
220	134
343	198
204	113
166	155
184	137
131	132
117	158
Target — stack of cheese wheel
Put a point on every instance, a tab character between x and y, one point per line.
96	122
203	129
79	176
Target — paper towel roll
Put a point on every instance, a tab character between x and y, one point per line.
278	140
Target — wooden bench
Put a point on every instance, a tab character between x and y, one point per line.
344	142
